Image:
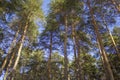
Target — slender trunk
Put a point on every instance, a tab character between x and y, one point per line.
116	5
9	65
49	60
80	74
65	51
9	52
102	59
109	72
19	50
74	47
110	34
20	47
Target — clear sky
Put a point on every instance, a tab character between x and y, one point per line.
45	6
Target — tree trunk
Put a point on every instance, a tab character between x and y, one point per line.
74	47
49	60
20	47
65	51
9	52
109	72
110	34
80	74
9	65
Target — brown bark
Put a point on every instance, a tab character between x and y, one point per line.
74	47
9	52
108	70
9	65
49	60
80	74
65	51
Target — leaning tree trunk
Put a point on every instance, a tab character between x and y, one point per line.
9	52
20	47
65	51
49	60
111	36
109	73
9	65
18	55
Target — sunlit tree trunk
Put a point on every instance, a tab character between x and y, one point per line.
65	50
49	60
109	72
9	65
9	52
110	34
19	50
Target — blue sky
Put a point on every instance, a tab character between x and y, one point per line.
45	6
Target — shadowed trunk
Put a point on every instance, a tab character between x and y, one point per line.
74	47
65	50
49	60
80	74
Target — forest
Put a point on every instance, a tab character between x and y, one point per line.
64	40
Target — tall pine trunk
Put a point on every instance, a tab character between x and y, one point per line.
111	36
79	72
74	47
49	60
9	52
109	73
65	50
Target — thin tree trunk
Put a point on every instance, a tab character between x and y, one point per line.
49	60
80	74
65	51
9	52
109	72
74	46
20	47
110	34
102	59
9	65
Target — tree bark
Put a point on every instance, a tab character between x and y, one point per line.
9	65
9	52
20	47
108	71
65	50
80	74
49	60
110	34
74	47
